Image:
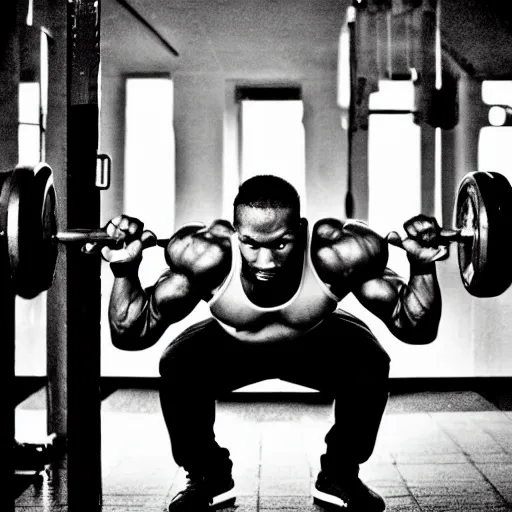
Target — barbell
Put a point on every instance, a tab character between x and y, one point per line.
482	217
29	231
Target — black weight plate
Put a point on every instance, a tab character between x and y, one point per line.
22	233
31	255
5	191
484	209
46	204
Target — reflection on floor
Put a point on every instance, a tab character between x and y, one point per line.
435	452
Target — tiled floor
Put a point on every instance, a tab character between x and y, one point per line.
435	452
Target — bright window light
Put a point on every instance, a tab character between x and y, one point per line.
495	142
273	141
394	173
495	150
394	164
149	159
29	102
30	315
497	92
393	95
28	140
29	130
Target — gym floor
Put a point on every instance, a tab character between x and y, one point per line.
436	451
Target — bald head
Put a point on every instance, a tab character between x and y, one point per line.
267	192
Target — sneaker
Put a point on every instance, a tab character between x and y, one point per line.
203	494
30	458
352	495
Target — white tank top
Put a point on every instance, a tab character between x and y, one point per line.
244	320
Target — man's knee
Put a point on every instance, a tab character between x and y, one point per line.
168	361
372	364
186	351
373	360
369	371
374	373
380	365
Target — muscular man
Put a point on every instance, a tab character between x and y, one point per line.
273	285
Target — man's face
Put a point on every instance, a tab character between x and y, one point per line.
268	240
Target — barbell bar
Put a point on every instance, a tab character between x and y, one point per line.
482	217
101	237
97	236
444	237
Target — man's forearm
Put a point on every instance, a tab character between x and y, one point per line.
418	312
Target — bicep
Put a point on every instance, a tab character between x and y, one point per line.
174	297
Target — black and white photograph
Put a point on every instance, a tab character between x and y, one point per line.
254	255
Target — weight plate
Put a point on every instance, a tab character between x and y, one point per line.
21	233
30	225
5	190
484	210
47	206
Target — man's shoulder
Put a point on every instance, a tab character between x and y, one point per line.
335	221
221	227
197	250
327	222
330	227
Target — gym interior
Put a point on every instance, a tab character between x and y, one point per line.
375	110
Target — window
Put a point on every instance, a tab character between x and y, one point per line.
495	142
148	192
149	160
272	135
30	315
29	130
394	162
